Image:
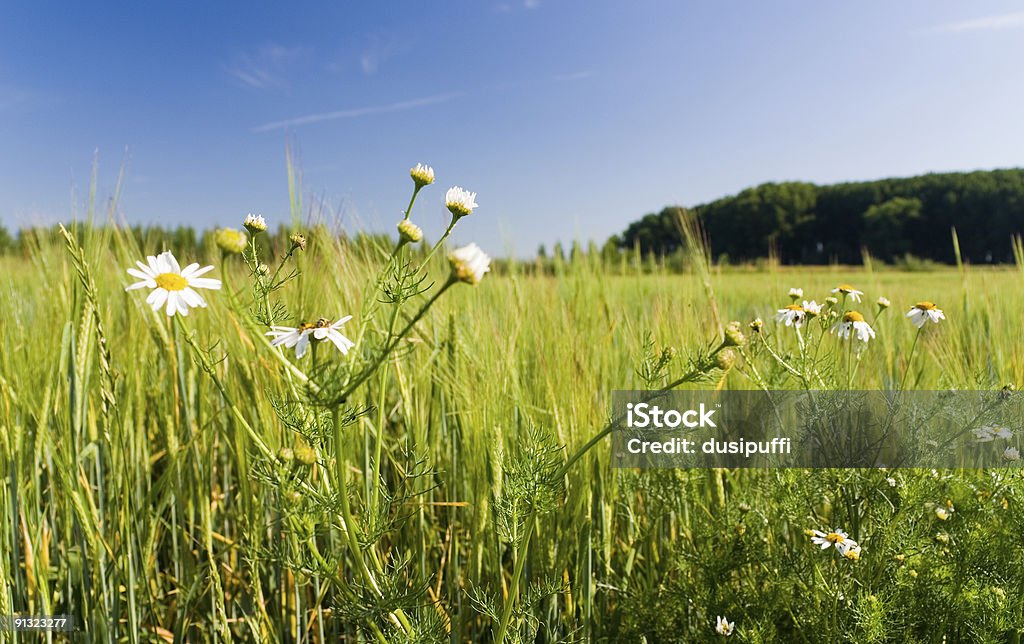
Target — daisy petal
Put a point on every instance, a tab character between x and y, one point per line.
204	282
157	299
302	345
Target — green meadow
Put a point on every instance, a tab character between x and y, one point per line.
178	479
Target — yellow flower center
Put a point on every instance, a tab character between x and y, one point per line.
835	537
794	307
171	282
853	316
926	306
846	288
852	554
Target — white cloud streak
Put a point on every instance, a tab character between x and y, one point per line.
1014	20
265	68
573	76
399	106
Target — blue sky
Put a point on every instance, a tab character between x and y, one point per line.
570	119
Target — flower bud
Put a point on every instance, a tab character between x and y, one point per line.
263	269
255	223
756	325
831	301
230	240
733	337
459	202
298	241
422	175
409	232
796	293
883	303
469	264
724	360
286	454
304	453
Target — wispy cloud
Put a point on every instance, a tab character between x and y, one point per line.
399	106
1014	20
265	68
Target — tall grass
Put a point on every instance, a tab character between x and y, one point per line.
137	493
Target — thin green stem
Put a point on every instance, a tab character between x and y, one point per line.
910	358
513	590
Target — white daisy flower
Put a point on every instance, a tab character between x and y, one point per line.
891	481
984	434
812	308
942	513
1011	454
828	539
796	293
724	627
853	323
460	202
924	311
792	315
255	223
846	289
849	548
469	263
989	433
299	337
422	175
171	284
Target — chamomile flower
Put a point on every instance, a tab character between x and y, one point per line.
299	337
255	223
469	264
812	308
849	549
924	311
230	240
883	303
409	232
1011	454
846	289
984	434
460	202
796	293
171	285
724	627
792	315
853	324
828	539
422	175
942	513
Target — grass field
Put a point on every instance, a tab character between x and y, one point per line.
174	479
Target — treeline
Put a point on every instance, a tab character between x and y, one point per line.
183	240
894	219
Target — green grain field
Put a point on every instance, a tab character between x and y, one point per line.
178	479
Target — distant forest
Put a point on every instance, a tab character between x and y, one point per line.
803	223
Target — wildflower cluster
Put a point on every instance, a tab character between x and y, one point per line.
811	321
315	404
